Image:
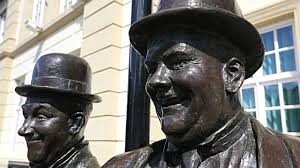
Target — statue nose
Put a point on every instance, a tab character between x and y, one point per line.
26	129
160	81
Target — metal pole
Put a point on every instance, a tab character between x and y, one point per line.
138	106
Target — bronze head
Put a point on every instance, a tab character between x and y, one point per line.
57	108
198	53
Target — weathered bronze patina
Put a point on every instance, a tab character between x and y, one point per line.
198	53
58	105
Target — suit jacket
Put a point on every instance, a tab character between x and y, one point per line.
274	150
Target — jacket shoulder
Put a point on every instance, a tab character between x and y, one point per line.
136	158
129	159
293	146
275	148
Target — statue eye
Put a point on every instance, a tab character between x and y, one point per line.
42	114
180	65
41	118
177	60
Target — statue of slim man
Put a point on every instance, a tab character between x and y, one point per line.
58	105
198	53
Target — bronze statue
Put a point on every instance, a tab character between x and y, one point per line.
198	53
58	105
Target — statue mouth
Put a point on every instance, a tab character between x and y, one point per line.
170	102
34	140
175	98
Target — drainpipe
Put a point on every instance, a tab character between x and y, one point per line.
138	105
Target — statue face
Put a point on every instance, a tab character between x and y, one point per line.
186	85
46	130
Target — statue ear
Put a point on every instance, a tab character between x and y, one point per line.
234	75
78	121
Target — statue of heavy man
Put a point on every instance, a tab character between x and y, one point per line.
198	53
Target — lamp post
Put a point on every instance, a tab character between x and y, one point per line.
138	106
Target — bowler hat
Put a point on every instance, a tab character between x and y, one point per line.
61	74
220	16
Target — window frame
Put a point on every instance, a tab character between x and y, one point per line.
282	107
38	19
258	81
276	51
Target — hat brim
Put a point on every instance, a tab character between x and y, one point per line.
31	90
236	29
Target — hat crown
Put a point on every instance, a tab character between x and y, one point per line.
228	5
62	71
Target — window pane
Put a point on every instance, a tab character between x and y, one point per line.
271	96
274	120
292	120
268	39
248	98
285	37
290	93
269	65
253	114
287	61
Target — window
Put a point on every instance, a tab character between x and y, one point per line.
38	12
272	94
67	4
2	25
280	51
282	101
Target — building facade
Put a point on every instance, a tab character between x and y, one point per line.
97	30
